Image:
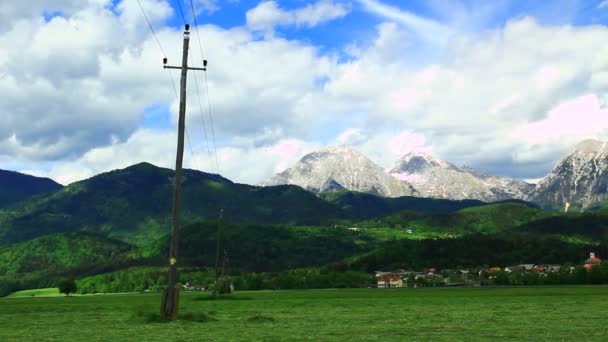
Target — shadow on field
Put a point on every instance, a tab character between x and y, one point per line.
208	298
150	317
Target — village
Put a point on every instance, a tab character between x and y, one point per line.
468	277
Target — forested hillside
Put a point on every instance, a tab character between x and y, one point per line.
134	205
15	187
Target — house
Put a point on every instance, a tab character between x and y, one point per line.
382	273
354	229
528	267
518	268
491	270
539	268
592	261
389	281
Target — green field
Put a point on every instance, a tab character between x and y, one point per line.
48	292
573	313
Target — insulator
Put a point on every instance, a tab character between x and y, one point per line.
204	62
165	60
187	27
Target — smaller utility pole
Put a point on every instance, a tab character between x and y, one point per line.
170	300
217	252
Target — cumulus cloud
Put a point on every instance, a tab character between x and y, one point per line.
267	14
60	95
486	86
578	119
244	163
72	107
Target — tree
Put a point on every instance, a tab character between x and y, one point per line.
67	286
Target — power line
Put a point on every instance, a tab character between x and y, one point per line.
151	28
200	45
180	10
200	106
212	129
206	88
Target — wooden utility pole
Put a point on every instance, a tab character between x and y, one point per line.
170	300
217	252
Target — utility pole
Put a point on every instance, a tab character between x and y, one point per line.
170	300
217	252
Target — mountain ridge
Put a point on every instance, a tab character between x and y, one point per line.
17	186
579	179
344	168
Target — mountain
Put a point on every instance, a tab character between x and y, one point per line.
436	178
15	187
478	250
78	252
134	205
360	206
40	262
495	218
579	179
337	168
261	248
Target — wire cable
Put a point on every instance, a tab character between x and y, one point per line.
200	106
181	10
151	28
206	88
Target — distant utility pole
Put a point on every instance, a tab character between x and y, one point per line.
217	251
170	300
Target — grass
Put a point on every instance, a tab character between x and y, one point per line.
428	314
48	292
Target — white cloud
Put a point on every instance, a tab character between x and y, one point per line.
208	6
267	14
244	163
486	86
75	89
578	119
431	30
603	4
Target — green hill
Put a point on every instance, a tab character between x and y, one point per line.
134	205
40	262
486	219
589	225
255	247
63	253
469	251
362	206
16	187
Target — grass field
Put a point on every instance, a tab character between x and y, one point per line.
48	292
431	314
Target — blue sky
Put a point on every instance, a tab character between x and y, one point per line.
498	85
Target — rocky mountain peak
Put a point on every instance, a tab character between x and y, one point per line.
590	146
340	167
579	179
434	177
417	161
